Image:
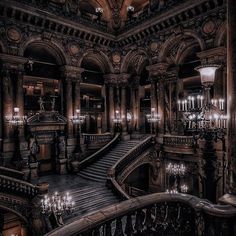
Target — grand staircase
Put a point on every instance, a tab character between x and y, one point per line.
98	170
88	189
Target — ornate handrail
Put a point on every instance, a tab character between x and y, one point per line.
155	214
123	162
99	153
17	187
98	138
175	140
11	173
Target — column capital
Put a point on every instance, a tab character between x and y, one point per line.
111	79
157	71
119	80
213	56
72	72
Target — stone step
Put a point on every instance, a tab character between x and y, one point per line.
92	177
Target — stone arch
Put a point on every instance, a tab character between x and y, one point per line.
220	34
100	59
54	47
129	58
184	53
176	39
23	218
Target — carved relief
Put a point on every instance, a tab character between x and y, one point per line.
209	27
13	34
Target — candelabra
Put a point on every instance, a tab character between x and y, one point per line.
176	171
153	118
78	120
59	205
205	119
17	121
117	121
130	11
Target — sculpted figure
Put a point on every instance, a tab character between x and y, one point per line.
34	149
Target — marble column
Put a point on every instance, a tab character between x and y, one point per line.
153	94
69	106
111	107
104	113
231	91
123	109
77	95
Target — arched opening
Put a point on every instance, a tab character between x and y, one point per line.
43	102
137	183
92	94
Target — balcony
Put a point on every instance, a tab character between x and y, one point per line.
179	144
95	105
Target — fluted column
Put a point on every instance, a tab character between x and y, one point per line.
123	109
111	107
158	73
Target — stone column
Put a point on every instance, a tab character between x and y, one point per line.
123	109
77	104
110	81
231	92
69	106
104	113
153	94
158	71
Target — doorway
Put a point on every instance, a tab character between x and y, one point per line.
45	158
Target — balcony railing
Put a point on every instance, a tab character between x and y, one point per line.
97	138
156	214
17	187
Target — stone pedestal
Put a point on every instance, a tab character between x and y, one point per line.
75	166
33	170
61	166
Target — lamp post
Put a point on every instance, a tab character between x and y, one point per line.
77	120
153	118
99	12
205	119
130	11
117	121
17	121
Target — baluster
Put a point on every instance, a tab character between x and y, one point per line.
119	229
108	229
148	219
139	221
129	229
96	231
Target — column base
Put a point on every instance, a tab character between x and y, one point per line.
61	166
228	199
125	136
33	170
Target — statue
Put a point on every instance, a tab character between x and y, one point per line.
41	104
61	146
34	150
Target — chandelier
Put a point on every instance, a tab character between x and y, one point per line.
117	119
16	119
202	114
153	117
57	204
77	118
175	169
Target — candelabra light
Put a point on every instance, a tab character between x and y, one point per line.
16	119
117	119
153	118
176	169
77	118
130	11
99	12
59	205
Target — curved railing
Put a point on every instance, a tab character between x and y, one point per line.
182	141
156	214
87	161
98	138
17	187
11	173
124	162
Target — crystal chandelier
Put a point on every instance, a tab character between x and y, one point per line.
117	119
16	119
175	169
153	117
57	204
77	118
200	113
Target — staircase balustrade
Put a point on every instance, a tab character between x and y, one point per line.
11	173
17	187
156	214
96	138
123	162
87	161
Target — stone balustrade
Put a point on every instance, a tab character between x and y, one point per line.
120	165
17	187
156	214
11	173
96	138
